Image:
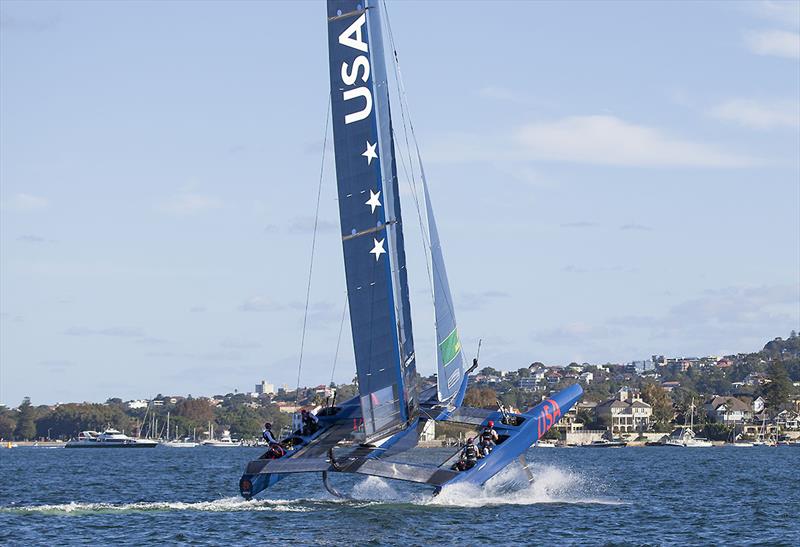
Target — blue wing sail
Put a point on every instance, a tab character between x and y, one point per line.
449	354
371	223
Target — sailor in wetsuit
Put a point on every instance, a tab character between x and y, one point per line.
276	450
489	438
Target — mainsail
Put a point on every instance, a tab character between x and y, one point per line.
369	211
449	355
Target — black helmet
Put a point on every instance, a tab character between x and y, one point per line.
470	440
267	425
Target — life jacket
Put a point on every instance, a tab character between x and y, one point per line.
487	434
268	436
471	452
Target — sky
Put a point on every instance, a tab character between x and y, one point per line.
611	181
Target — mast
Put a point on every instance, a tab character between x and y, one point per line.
371	222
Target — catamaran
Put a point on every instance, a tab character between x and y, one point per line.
362	434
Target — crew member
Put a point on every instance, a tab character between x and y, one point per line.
489	438
268	435
276	450
469	455
310	422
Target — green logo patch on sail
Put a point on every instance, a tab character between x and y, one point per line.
450	347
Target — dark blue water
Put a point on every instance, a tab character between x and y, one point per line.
631	496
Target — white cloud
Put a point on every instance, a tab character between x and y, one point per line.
27	202
780	43
608	140
188	204
595	139
758	115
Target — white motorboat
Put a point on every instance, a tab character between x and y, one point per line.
224	441
110	438
545	444
183	443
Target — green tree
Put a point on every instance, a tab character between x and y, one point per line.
345	392
657	398
197	411
26	421
777	392
7	427
481	397
70	419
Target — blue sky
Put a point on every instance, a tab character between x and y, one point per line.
611	181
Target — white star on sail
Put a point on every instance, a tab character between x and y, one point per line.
370	153
374	200
377	250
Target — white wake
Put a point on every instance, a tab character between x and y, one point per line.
220	505
511	487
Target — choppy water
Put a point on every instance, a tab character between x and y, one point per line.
631	496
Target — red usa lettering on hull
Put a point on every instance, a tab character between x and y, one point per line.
550	414
353	37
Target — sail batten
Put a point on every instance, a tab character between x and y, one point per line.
371	222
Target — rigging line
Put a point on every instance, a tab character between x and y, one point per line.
414	192
313	247
404	106
339	340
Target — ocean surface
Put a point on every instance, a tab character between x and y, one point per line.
629	496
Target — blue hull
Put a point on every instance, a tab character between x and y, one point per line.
537	421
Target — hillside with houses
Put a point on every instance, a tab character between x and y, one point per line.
725	397
731	396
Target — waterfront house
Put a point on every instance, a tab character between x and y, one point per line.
626	413
728	410
787	420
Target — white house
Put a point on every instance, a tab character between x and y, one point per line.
728	410
625	414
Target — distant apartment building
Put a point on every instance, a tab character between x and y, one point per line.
626	413
586	377
137	404
264	388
